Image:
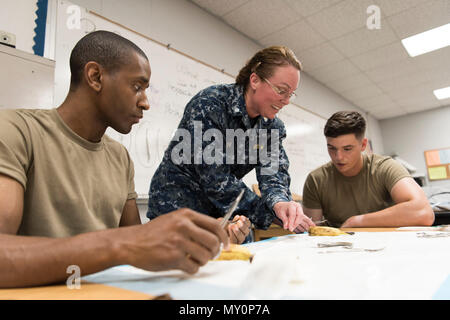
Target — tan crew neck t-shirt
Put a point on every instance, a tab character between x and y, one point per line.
71	185
342	197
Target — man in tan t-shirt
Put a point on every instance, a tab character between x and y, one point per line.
65	188
360	190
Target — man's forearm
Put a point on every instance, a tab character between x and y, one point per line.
410	213
30	261
314	214
183	240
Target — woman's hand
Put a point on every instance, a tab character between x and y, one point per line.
292	216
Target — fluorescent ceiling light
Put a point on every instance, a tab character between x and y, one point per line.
427	41
443	93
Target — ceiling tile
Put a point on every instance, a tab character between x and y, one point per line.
362	93
392	70
429	109
428	15
376	102
438	75
435	59
386	105
256	19
354	81
378	57
308	7
299	36
342	18
388	113
364	40
439	84
334	71
414	105
390	7
219	8
318	56
402	83
422	91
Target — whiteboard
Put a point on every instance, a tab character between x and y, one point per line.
175	79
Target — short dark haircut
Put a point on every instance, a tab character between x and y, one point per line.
108	49
345	122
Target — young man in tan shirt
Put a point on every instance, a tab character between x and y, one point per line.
360	190
65	187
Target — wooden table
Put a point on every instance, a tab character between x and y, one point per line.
87	291
371	229
276	231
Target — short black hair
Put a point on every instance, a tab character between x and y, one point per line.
345	122
104	47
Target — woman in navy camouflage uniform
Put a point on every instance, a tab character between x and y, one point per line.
205	174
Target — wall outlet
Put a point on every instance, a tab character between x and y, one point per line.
8	38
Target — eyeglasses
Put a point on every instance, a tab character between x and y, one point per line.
282	92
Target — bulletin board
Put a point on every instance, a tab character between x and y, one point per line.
438	163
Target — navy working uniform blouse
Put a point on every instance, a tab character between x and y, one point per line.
187	176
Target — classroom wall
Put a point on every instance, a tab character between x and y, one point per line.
192	30
409	136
